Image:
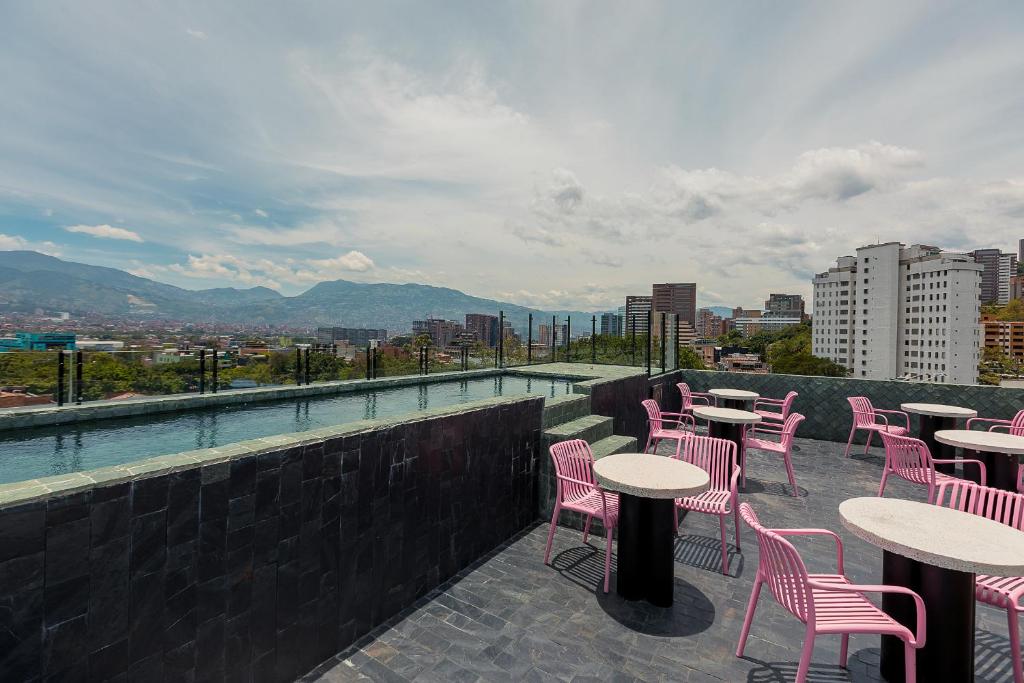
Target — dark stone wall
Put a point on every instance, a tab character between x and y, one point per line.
259	568
620	399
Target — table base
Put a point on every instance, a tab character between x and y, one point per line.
948	595
732	432
735	403
646	566
931	424
1000	469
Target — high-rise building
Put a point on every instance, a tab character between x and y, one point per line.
484	327
441	332
995	278
894	311
1020	251
637	310
357	336
545	332
676	297
1017	287
784	306
1005	335
709	325
611	323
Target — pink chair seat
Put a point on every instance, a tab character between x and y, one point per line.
888	429
765	445
590	504
846	612
999	591
670	434
768	415
713	502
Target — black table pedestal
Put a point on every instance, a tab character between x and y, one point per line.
948	595
1000	469
732	432
931	424
646	567
735	403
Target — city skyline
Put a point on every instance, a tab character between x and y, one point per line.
334	144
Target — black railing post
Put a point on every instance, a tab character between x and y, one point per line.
593	339
298	366
60	378
202	371
426	360
369	371
663	331
306	354
78	378
216	363
553	338
632	324
568	333
529	339
650	340
501	339
677	344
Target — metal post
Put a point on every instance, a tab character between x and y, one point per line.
663	330
529	339
553	336
78	378
307	366
368	370
632	324
60	378
568	333
216	363
677	344
501	339
298	366
650	340
202	371
426	360
593	339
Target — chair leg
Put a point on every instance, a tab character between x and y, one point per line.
867	444
881	486
844	649
849	441
725	553
909	663
608	559
747	620
1018	667
805	656
586	528
736	517
675	519
551	532
648	446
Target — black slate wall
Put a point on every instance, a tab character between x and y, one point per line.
259	568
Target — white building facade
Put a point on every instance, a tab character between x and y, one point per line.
896	312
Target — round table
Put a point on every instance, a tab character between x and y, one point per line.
935	417
998	450
648	486
935	552
727	423
734	398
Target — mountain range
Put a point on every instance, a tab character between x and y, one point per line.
30	281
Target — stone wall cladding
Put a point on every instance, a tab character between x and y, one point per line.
823	399
259	566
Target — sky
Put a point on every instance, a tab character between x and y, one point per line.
554	154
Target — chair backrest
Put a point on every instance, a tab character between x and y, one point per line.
1005	507
687	395
789	429
575	460
1017	424
782	568
654	421
715	456
909	458
787	403
863	411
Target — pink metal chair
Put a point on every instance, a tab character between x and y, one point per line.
578	491
784	446
867	417
775	409
1003	592
1013	426
691	397
667	426
717	457
910	459
826	603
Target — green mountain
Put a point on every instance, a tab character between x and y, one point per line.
30	281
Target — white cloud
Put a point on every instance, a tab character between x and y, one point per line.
355	261
261	213
106	232
12	242
196	33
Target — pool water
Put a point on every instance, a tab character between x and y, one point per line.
46	451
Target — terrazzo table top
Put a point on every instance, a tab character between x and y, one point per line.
938	410
728	415
650	476
938	536
990	442
734	394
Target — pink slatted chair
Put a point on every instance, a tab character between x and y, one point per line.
690	397
1003	592
754	440
661	426
1014	426
717	457
826	603
578	491
867	417
910	459
775	409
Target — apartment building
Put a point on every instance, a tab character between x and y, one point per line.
676	297
1005	335
484	328
897	312
611	324
638	309
998	268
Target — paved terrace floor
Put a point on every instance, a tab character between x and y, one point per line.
510	617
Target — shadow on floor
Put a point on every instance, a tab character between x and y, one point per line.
705	552
773	488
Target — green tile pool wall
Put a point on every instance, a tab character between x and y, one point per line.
259	565
823	399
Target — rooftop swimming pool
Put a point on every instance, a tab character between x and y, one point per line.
46	451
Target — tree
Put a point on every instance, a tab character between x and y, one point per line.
791	355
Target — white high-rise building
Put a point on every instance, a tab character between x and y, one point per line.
1007	269
896	312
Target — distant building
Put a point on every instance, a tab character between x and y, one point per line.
676	297
1017	287
754	325
484	327
441	332
38	341
1005	335
358	336
611	324
995	278
784	306
744	362
18	396
559	332
637	310
709	324
106	345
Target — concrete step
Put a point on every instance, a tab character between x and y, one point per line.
565	408
591	429
614	444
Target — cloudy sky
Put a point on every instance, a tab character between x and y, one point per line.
553	153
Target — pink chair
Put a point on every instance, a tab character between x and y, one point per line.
1003	592
1014	426
867	417
717	457
690	397
784	446
826	603
678	427
579	492
910	459
775	409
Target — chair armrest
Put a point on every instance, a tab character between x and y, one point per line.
986	419
773	427
896	412
707	398
818	532
979	463
875	417
562	477
998	427
770	401
920	633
